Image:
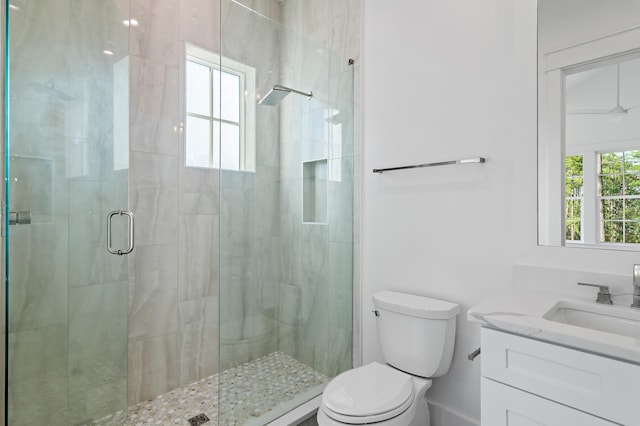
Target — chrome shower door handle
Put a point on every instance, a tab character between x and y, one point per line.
130	245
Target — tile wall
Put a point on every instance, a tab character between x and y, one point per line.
68	296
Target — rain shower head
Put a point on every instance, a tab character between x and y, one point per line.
50	89
278	93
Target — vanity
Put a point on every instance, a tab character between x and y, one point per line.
552	360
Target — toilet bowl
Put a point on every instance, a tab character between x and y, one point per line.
416	336
374	393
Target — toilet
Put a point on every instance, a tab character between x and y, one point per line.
416	336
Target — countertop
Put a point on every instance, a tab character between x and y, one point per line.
521	312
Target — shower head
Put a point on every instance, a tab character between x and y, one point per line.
50	89
278	93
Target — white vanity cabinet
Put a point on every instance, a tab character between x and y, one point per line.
527	382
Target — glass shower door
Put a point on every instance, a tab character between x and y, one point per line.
67	169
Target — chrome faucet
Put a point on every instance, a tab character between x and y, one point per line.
636	286
604	295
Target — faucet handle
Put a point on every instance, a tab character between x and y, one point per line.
636	275
604	295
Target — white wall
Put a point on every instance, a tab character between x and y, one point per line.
445	80
438	86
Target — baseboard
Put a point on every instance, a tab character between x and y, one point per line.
445	416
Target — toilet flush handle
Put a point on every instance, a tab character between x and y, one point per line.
376	312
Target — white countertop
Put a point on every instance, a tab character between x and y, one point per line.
521	312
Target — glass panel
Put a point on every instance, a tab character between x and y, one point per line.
632	209
612	209
230	89
68	166
610	185
632	232
198	142
198	88
230	147
612	232
611	162
217	89
632	184
285	286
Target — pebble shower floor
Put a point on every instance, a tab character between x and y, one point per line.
249	391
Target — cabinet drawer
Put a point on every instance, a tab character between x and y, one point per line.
598	385
505	406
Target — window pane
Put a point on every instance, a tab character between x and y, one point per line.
198	89
631	184
573	208
573	230
612	232
198	142
216	93
632	161
574	187
230	88
573	165
227	106
610	162
230	147
632	232
612	209
610	185
632	209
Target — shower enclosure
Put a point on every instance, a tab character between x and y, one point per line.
138	125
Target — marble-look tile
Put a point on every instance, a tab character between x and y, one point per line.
154	197
153	367
199	191
154	301
267	124
89	405
289	306
267	273
29	28
198	256
154	107
40	400
156	214
153	170
39	275
90	262
97	335
26	349
156	36
341	202
341	285
267	202
200	23
198	339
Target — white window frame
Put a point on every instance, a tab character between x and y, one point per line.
590	225
247	118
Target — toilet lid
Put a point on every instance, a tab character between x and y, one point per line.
370	390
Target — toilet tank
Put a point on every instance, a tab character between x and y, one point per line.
416	334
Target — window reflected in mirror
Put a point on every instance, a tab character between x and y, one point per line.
602	161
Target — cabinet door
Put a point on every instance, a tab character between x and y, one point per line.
503	405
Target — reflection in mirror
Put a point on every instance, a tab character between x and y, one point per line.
589	123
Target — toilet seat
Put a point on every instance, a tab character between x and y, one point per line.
368	394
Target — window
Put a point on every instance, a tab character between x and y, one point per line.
220	112
619	196
573	197
602	197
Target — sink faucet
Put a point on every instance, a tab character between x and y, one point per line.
604	295
636	286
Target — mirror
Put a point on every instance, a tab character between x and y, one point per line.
589	123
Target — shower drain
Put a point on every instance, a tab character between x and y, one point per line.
198	420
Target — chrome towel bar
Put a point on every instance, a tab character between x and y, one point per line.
441	163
